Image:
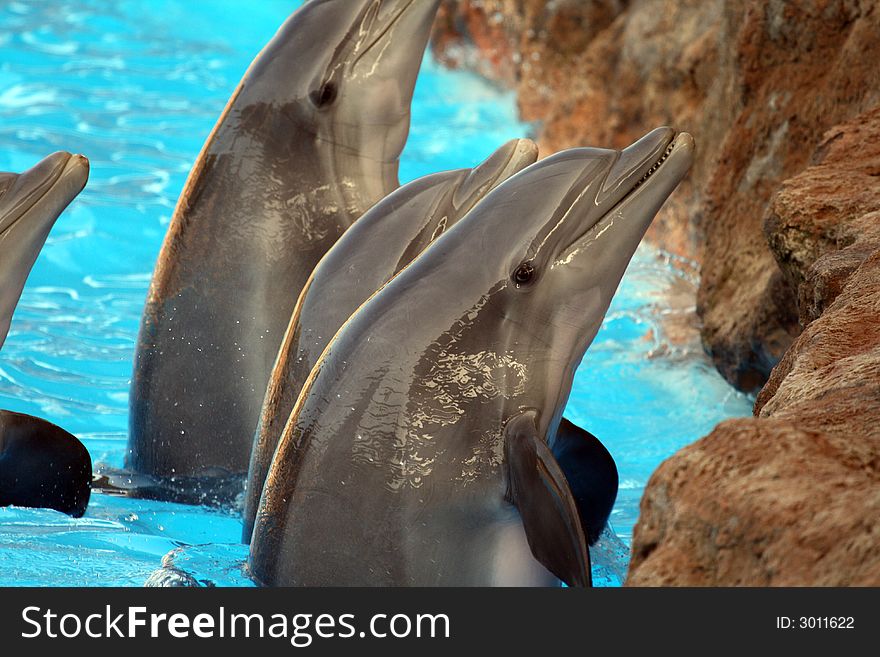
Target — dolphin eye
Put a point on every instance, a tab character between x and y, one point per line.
524	274
325	96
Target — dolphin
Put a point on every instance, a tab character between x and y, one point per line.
372	251
309	141
30	203
41	465
421	449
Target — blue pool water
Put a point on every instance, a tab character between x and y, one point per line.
137	86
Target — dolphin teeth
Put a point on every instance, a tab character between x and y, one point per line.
656	165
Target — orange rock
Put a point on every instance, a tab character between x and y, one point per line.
825	222
760	503
791	498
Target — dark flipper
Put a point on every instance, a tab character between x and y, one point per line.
591	475
42	466
214	490
537	486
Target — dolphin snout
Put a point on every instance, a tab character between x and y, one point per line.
507	161
51	168
54	181
407	17
391	10
636	160
638	183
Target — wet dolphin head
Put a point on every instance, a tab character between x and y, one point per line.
529	274
580	217
29	205
348	68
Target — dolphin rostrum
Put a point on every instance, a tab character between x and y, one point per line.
308	142
422	448
372	251
41	465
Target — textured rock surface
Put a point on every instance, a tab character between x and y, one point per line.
800	68
757	83
793	496
825	222
711	518
531	43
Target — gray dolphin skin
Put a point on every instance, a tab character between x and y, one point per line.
30	203
418	452
378	246
309	141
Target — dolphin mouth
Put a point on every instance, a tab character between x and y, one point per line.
668	148
63	167
655	167
680	144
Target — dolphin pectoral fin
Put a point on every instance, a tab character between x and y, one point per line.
538	488
591	475
214	488
42	466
